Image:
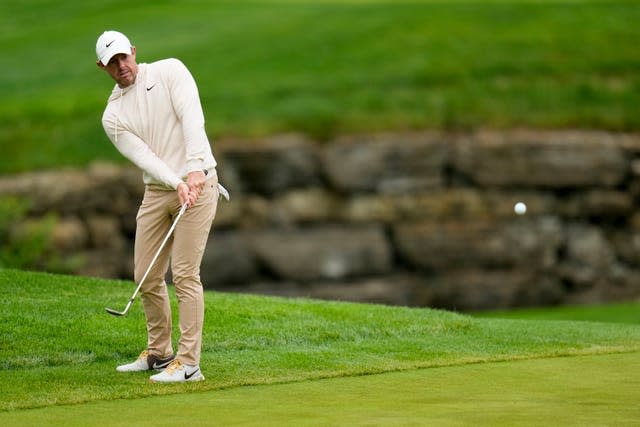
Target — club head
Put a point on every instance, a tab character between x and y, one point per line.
114	312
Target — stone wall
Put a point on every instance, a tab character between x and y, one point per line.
417	219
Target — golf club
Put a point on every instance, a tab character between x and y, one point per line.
153	261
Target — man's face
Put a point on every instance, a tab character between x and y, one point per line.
122	68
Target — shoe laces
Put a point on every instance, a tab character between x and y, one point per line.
175	364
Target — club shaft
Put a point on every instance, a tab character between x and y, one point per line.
153	261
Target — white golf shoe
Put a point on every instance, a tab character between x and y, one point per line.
146	362
177	372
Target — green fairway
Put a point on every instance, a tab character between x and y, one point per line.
58	346
623	312
569	391
322	67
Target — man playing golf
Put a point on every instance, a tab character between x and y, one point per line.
155	119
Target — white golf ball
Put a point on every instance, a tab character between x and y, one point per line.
520	208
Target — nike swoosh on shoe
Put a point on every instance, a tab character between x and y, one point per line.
187	376
162	365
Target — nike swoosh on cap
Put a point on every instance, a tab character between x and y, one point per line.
110	43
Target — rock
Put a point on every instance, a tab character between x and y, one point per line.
227	260
620	284
444	205
418	218
474	289
588	256
390	290
626	246
307	206
436	246
608	205
436	205
229	214
323	252
399	289
385	163
105	232
102	188
555	160
105	264
271	166
69	234
47	191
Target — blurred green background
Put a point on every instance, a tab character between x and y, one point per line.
321	67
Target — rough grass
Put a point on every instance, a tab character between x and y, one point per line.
323	67
59	346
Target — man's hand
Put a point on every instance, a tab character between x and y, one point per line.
185	195
189	192
196	181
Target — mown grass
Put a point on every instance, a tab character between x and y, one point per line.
322	67
621	312
535	392
59	346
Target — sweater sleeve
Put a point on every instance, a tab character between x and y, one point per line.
187	106
139	153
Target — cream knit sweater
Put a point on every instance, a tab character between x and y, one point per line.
158	124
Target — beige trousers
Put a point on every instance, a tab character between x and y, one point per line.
184	250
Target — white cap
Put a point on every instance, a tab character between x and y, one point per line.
111	43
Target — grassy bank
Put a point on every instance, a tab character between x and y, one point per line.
323	67
59	346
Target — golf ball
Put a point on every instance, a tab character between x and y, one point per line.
520	208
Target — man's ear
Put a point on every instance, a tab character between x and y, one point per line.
99	64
